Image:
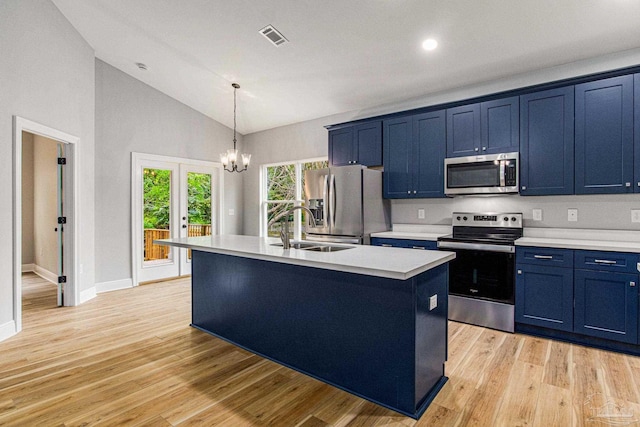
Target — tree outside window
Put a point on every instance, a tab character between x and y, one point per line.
283	190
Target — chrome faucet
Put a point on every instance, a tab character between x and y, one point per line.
284	232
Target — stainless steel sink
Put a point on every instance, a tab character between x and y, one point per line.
314	247
324	248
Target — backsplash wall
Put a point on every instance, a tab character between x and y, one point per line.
612	212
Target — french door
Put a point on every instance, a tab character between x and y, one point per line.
172	198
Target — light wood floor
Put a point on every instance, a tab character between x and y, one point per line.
130	358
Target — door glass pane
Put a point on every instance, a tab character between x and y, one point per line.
275	222
198	205
156	205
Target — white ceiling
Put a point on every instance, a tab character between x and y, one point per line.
342	55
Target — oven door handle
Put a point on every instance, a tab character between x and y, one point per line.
477	246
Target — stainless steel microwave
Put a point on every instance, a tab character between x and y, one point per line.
490	174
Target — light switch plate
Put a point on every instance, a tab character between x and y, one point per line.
420	213
572	215
433	302
635	215
537	214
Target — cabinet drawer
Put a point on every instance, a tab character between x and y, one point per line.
544	256
404	243
421	244
621	262
382	241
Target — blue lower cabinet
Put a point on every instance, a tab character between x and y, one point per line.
544	296
606	305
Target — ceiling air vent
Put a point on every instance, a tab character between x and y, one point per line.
273	35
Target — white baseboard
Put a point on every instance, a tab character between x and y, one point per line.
87	294
26	268
7	330
114	285
46	274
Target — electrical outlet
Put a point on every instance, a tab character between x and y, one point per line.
232	212
635	215
433	302
572	215
420	213
537	214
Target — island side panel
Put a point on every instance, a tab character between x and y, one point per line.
431	330
353	331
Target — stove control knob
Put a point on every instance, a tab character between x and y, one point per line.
506	219
464	218
458	218
513	218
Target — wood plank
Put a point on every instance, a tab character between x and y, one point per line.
521	396
554	407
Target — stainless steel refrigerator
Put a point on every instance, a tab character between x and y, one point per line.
346	203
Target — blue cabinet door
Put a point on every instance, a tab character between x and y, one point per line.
636	150
604	136
397	157
368	143
341	147
463	130
429	141
544	296
606	305
547	142
499	125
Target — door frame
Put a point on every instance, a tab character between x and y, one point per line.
72	202
137	159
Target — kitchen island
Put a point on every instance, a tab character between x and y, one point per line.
369	320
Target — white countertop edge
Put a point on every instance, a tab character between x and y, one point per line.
593	245
442	258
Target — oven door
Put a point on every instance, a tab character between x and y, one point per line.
482	274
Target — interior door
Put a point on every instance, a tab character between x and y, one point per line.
61	220
198	191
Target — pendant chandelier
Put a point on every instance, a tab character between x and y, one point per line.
230	159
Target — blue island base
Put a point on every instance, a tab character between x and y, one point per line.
374	337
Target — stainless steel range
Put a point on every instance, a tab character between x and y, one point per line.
482	277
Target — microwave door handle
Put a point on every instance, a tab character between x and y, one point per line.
502	181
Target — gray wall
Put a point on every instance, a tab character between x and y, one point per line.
47	74
133	117
309	139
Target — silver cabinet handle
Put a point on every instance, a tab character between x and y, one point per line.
475	149
386	245
418	247
524	187
484	148
414	191
604	261
519	271
627	184
543	256
632	284
409	192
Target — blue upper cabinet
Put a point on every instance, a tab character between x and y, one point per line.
463	130
398	149
341	147
546	142
357	144
414	148
604	136
636	150
499	126
429	143
485	128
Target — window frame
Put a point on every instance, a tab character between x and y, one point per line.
299	200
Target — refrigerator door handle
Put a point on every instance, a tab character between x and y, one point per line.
332	201
325	207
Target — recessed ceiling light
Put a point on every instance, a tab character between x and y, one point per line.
429	44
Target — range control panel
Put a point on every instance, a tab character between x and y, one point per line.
471	219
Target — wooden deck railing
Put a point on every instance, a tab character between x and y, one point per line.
154	252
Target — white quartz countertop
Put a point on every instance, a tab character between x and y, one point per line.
415	232
393	263
595	240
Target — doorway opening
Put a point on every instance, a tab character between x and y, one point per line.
50	240
171	198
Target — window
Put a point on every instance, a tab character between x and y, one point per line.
283	188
